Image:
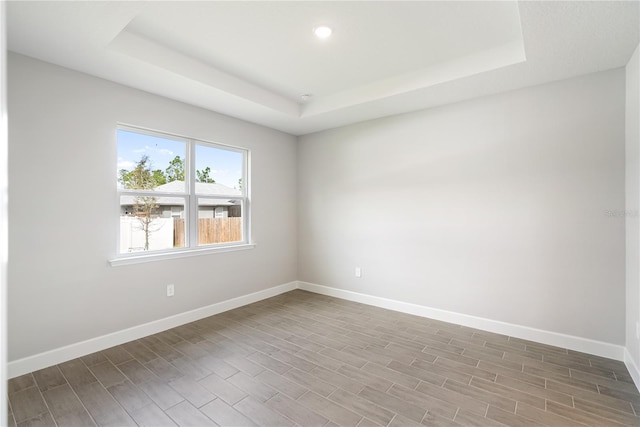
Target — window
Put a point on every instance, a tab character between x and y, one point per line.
179	194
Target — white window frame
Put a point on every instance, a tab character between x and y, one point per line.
191	198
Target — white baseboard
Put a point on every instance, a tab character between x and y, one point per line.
62	354
72	351
584	345
632	368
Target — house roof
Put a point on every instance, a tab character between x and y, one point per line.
203	189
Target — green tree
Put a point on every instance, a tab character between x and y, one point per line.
203	176
175	171
159	177
142	178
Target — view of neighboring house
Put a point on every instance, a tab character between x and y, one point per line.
219	218
213	202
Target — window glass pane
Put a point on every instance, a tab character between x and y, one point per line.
218	171
159	212
147	162
219	221
151	223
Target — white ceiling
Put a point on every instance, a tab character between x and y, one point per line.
254	60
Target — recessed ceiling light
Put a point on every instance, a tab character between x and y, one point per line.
322	31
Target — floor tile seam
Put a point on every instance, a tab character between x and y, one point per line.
519	351
152	403
172	347
367	419
395	416
578	366
454	415
259	332
130	414
391	369
266	367
73	389
562	416
526	374
526	393
284	415
495	395
363	398
164	382
340	386
9	407
342	361
461	396
461	342
399	343
605	396
453	354
484	346
479	351
598	385
607	408
532	348
386	408
79	400
545	410
327	399
536	387
571	375
36	385
140	360
412	376
75	392
414	404
169	415
127	378
329	326
591	415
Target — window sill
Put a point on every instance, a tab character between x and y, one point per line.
186	253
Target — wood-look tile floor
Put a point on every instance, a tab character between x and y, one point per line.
311	360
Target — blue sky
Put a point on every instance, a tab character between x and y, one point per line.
226	166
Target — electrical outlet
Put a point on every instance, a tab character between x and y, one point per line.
170	290
358	272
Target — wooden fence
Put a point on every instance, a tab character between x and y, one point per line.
210	230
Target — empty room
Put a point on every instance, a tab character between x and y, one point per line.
318	213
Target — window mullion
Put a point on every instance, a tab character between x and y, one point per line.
190	176
246	200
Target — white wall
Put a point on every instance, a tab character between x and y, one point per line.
508	207
4	208
632	183
62	157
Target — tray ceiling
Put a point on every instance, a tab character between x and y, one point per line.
261	62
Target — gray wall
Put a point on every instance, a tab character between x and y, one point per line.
64	212
508	207
632	157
